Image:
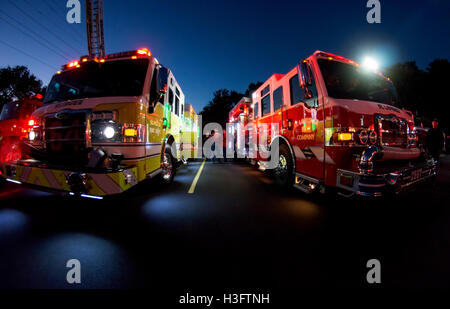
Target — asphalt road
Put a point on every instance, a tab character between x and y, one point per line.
236	230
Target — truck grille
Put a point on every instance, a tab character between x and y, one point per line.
392	131
65	137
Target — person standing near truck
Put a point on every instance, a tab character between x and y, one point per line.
435	140
217	139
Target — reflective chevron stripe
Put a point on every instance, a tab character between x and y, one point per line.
312	152
98	184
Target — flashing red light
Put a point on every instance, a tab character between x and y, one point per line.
39	96
144	51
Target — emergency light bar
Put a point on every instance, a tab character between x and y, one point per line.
140	52
73	64
133	54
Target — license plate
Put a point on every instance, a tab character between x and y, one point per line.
415	175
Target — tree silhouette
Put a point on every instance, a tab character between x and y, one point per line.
223	101
17	83
251	88
423	92
437	102
409	81
218	108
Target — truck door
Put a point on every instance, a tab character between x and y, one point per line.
308	130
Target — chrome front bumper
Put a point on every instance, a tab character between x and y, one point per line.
385	180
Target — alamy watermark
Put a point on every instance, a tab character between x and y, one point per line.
374	274
74	14
374	14
259	142
74	274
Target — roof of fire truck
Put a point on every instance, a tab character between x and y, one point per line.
240	107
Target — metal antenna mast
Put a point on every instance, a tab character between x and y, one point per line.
94	27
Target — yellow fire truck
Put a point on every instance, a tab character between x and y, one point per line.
106	125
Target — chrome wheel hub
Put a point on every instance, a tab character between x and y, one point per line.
282	167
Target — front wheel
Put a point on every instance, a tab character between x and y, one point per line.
168	167
284	172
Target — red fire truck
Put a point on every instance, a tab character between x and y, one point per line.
15	123
340	127
238	119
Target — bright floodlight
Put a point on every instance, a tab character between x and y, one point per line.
370	64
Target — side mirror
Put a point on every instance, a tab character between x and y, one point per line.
305	73
163	76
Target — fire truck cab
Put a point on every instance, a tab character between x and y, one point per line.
106	125
340	127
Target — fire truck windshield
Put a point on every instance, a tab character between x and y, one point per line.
92	79
346	81
10	111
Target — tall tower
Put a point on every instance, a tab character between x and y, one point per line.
94	27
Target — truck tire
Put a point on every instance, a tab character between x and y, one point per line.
284	172
168	167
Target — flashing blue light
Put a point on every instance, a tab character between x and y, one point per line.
14	181
92	196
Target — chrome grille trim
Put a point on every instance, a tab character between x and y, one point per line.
65	134
391	130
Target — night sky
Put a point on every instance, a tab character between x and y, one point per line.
227	44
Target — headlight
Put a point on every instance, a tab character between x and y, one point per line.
34	131
109	132
106	131
32	136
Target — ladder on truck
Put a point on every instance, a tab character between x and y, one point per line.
94	27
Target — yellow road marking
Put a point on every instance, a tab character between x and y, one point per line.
194	183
